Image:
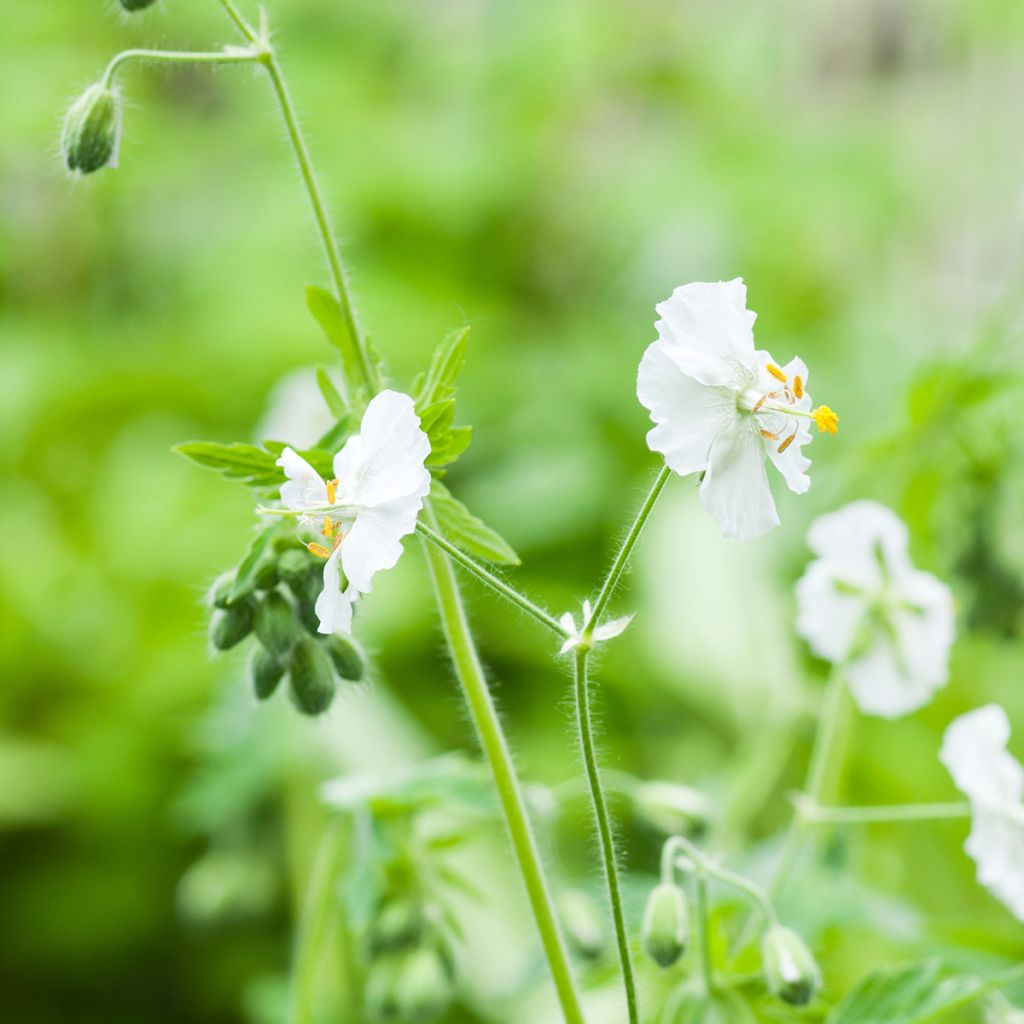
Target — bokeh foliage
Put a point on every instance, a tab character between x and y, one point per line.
546	172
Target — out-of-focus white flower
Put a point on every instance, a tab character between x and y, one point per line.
862	602
992	779
296	411
371	504
721	408
605	631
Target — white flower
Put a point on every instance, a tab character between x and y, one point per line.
601	633
863	602
992	779
378	490
721	408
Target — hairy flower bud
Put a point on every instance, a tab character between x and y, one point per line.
347	658
583	924
266	576
789	967
265	672
230	626
136	5
666	924
274	624
220	590
312	677
293	564
92	129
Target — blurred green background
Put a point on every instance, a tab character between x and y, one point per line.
545	172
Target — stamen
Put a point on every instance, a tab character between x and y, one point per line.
826	419
785	444
328	530
760	402
332	491
775	372
769	435
319	550
798	386
337	542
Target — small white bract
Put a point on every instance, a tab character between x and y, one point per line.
601	633
377	492
721	408
992	779
862	602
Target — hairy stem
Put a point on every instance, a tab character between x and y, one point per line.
492	739
497	584
604	828
178	57
704	932
811	813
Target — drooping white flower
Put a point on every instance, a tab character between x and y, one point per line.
974	751
605	631
721	408
862	602
372	503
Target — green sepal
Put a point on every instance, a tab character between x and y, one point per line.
467	531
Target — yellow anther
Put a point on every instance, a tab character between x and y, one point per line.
775	372
798	386
319	550
332	491
769	435
328	530
789	440
827	420
760	402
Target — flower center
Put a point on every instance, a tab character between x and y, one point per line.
775	411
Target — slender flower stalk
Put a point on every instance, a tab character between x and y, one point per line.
235	56
704	928
604	828
812	814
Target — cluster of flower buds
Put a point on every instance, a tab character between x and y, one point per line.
411	973
279	610
92	129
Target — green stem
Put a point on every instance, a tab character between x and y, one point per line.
704	932
312	927
233	13
177	57
619	565
812	814
817	775
604	828
488	728
483	574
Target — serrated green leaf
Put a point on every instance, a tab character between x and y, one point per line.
245	578
467	531
446	365
332	396
454	442
325	309
237	461
319	458
908	994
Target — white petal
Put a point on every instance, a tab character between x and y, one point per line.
851	537
791	463
735	488
974	752
334	606
385	460
881	684
305	486
996	845
926	631
613	628
827	618
374	541
570	643
587	611
689	415
709	332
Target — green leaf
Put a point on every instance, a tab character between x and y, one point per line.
332	396
450	447
245	578
466	531
319	458
446	365
908	994
325	309
246	462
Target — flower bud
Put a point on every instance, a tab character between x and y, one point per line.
265	672
583	924
425	987
230	626
789	968
293	564
91	130
666	924
398	925
274	624
266	576
136	5
220	589
312	677
347	658
672	808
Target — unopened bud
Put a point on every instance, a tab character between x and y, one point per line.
92	129
347	658
583	923
672	808
424	984
312	677
398	925
266	576
666	924
136	5
293	564
275	624
220	590
230	626
265	672
789	968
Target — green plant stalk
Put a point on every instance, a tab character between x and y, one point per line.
313	923
704	931
177	57
814	815
488	728
605	837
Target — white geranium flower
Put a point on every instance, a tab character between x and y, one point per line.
992	779
862	602
721	408
371	504
605	631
